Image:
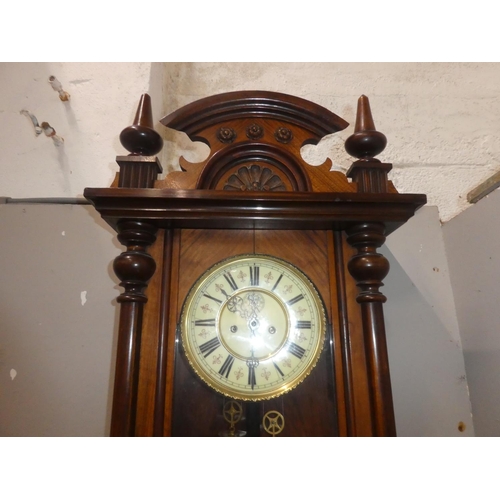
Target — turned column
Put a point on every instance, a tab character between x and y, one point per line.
134	267
369	268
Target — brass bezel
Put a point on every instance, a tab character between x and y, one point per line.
288	385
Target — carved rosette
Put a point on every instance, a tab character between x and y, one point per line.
283	135
254	131
226	135
254	178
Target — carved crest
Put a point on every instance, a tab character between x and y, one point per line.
255	140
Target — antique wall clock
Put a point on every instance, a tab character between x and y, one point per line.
252	302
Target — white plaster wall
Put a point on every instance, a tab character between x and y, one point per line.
103	101
441	119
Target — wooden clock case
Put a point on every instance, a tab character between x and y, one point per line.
253	194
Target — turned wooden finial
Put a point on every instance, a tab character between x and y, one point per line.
141	139
366	142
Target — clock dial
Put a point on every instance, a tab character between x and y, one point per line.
253	327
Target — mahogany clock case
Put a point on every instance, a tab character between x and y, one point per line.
254	194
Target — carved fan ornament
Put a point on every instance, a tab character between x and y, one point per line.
254	178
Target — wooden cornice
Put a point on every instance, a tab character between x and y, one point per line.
187	208
199	115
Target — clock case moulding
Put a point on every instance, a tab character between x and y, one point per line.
254	193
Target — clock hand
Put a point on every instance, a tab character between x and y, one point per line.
252	363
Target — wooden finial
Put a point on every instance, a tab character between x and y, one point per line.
366	142
364	118
141	139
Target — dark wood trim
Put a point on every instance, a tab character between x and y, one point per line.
345	346
199	115
173	312
124	409
138	171
160	390
370	176
378	369
336	349
207	209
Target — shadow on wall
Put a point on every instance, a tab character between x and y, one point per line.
473	248
427	366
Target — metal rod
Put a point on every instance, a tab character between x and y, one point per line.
48	201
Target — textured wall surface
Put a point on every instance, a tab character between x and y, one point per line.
441	119
103	97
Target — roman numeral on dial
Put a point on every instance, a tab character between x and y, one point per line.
295	349
303	324
293	301
204	322
225	369
209	347
277	283
252	364
212	298
278	369
251	376
254	275
231	281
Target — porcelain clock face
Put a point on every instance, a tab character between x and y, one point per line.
253	327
